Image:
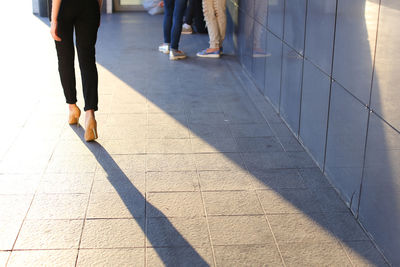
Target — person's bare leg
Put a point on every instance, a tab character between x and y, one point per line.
74	114
90	126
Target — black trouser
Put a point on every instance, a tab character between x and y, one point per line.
84	17
194	12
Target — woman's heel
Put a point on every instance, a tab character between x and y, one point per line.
91	130
74	116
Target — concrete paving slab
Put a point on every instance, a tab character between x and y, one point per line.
225	180
57	258
111	257
113	233
248	255
177	232
49	234
58	206
175	204
172	181
239	230
180	256
66	183
288	201
313	254
232	203
300	227
115	205
277	179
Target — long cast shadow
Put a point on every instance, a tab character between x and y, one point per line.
164	232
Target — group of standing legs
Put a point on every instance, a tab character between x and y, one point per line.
215	17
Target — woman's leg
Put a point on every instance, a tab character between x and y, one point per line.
179	11
66	54
86	26
220	11
168	14
212	23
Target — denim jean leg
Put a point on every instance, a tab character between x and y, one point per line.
168	15
179	11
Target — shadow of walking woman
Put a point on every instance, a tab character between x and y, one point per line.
163	237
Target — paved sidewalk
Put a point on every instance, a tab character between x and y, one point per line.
192	168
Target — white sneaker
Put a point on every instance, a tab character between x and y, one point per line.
175	54
164	48
187	29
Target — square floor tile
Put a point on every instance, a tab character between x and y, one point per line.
290	143
175	204
239	230
214	145
207	131
248	255
72	164
14	206
111	257
66	183
172	181
113	233
167	131
43	258
314	178
168	145
130	132
277	179
24	164
121	163
259	144
364	253
18	183
288	201
163	118
174	232
119	181
314	254
232	203
171	162
116	205
219	162
58	206
251	130
49	234
126	119
301	228
225	180
125	146
345	227
329	200
180	256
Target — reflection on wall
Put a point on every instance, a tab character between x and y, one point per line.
386	89
330	68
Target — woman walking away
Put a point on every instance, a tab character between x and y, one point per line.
215	15
83	16
173	20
